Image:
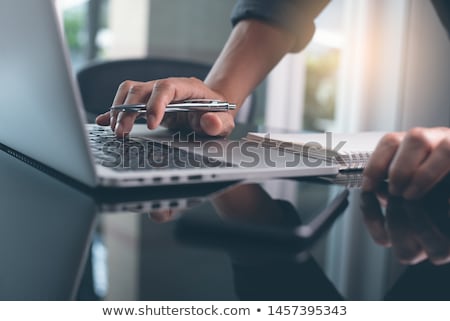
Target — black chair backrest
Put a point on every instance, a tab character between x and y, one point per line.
98	82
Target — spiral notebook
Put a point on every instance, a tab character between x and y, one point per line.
349	179
348	151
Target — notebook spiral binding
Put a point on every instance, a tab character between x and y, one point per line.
349	179
355	160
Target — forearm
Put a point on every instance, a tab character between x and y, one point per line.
251	51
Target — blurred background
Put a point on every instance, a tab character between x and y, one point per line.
372	65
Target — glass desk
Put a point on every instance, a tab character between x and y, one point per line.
60	243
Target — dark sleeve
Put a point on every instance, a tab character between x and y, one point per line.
443	11
295	16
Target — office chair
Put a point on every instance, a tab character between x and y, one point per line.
99	81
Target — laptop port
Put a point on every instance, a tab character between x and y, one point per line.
173	204
194	177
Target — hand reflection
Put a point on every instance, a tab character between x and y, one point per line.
251	203
267	273
170	210
416	230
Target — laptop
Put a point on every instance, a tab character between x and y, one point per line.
43	121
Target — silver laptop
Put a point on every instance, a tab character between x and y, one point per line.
43	120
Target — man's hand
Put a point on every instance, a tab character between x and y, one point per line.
413	162
157	95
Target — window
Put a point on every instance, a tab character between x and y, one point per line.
349	78
114	29
74	13
323	60
97	29
302	90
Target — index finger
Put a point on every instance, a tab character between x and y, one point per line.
119	99
137	93
378	166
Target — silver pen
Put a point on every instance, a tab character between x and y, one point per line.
205	105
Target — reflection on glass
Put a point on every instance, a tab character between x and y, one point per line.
246	216
419	234
269	260
145	262
416	230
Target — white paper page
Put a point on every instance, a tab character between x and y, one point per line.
357	142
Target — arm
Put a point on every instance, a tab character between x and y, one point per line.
251	51
265	30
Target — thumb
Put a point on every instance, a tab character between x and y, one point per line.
103	119
217	123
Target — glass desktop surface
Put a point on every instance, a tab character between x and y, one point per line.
141	256
59	242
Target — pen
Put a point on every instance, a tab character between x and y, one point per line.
205	105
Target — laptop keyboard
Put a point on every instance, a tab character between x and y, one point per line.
142	154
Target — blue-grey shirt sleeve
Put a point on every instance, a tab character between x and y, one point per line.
443	11
295	16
